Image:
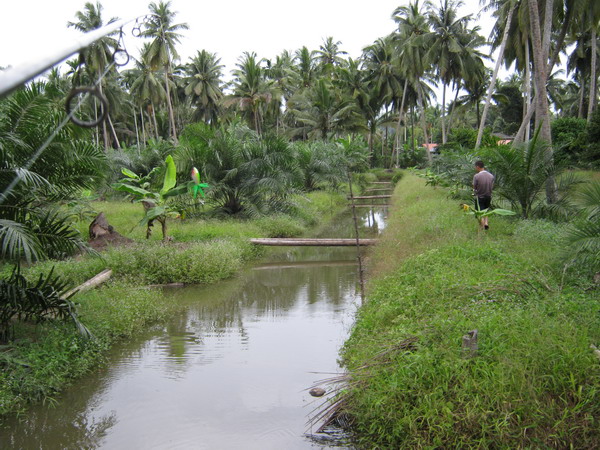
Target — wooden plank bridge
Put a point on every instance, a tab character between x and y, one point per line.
310	242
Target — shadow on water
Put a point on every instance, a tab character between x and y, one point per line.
231	371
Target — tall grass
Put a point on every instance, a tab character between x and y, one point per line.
534	382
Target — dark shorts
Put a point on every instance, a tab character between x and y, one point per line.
484	202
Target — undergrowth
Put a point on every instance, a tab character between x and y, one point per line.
534	381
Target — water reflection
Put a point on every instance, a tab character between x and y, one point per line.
229	372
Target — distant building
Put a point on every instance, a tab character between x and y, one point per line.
431	147
503	139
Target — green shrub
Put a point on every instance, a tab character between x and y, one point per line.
569	138
398	174
183	263
280	226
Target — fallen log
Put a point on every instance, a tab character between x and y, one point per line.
368	206
97	280
297	242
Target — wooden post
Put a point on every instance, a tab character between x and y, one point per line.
358	256
469	344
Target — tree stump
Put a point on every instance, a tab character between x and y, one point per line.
100	227
103	234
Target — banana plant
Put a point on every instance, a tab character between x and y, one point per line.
481	213
197	186
155	203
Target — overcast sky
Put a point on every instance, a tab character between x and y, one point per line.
31	28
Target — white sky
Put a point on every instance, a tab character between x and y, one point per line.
31	28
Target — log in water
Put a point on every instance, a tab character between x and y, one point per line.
312	242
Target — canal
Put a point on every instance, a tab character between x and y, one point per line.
230	371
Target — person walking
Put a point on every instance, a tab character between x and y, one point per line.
483	183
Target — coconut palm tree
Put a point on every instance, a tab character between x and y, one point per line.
252	92
542	115
147	90
411	58
586	24
382	71
512	5
160	27
448	37
97	56
328	55
322	111
204	85
305	67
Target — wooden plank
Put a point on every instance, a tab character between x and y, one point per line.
369	206
381	182
298	242
379	189
366	197
97	280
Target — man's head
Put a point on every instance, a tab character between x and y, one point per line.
479	166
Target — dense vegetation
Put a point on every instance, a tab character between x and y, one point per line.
534	380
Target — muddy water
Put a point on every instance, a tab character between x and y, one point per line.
230	372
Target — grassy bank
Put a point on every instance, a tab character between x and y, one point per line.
44	358
534	381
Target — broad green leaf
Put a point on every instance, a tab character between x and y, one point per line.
503	212
153	213
134	190
170	176
129	173
179	190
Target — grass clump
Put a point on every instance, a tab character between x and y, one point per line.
534	380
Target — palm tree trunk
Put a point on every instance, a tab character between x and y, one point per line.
104	130
423	121
581	97
144	140
492	86
557	50
169	104
400	116
137	131
451	116
592	100
527	104
542	115
154	119
112	129
412	129
96	132
444	114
